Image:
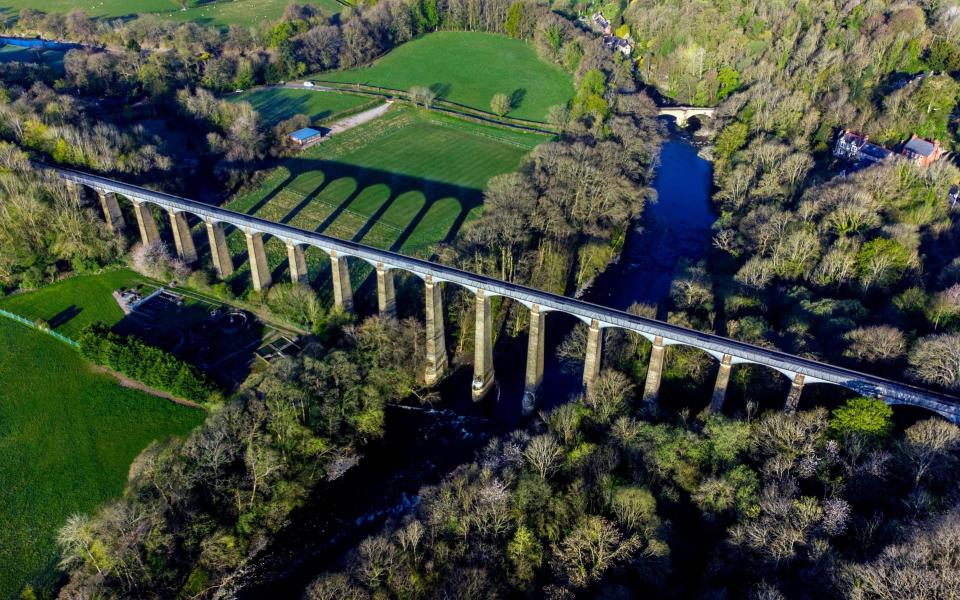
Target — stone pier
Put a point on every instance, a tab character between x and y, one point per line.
720	387
342	291
535	350
298	264
111	211
259	267
436	341
482	348
651	388
793	397
386	295
146	223
182	238
591	363
219	251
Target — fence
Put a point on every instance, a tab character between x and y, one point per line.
33	325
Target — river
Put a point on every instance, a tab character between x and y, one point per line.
422	446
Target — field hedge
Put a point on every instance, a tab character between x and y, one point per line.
148	364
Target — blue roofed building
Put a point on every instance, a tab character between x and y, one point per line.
306	136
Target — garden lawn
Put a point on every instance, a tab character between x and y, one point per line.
70	305
469	68
67	438
221	13
405	182
278	103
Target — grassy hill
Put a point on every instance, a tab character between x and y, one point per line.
278	103
210	12
469	68
67	438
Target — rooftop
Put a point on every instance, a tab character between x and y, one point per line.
920	146
302	135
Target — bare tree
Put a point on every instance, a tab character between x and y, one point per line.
926	565
543	454
422	96
931	446
880	343
609	394
936	359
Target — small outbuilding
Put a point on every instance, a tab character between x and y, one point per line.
306	136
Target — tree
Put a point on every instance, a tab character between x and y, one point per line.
422	96
931	448
525	553
512	24
590	549
868	419
876	344
925	562
500	104
609	394
882	261
944	55
936	359
590	95
543	454
636	509
732	138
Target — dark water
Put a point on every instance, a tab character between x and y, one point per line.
421	447
675	227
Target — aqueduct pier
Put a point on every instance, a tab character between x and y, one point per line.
728	352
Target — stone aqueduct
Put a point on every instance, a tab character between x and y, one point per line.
682	113
728	352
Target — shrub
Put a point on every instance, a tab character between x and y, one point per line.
148	364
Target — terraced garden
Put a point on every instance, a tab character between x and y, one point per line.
468	68
278	103
67	438
406	181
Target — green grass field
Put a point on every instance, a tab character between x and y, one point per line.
469	68
210	12
276	104
405	182
67	438
70	305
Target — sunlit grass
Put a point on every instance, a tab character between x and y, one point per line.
67	438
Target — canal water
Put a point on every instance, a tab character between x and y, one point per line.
422	446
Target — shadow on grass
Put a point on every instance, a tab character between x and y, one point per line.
444	231
64	316
276	108
191	333
398	184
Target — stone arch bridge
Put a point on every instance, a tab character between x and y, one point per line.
728	352
682	113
